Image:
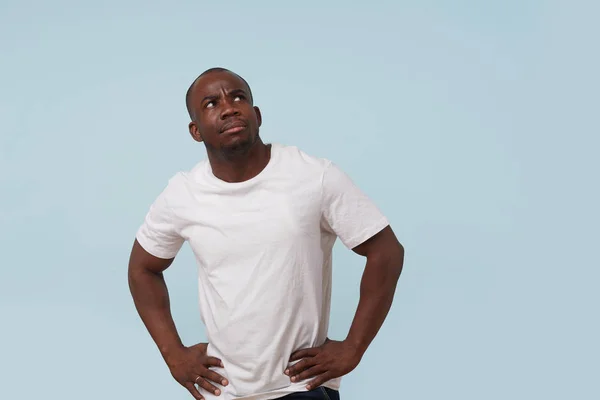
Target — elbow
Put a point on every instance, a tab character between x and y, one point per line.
392	261
136	275
132	278
396	261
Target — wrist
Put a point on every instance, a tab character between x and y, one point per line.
172	353
357	346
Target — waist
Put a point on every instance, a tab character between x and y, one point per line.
255	365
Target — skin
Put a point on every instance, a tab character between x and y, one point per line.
385	258
218	101
151	299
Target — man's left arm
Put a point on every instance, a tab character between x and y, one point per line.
385	257
351	215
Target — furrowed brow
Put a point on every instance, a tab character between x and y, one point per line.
239	91
211	97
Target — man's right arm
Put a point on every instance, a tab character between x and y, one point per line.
151	298
189	366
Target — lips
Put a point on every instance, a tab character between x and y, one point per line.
233	126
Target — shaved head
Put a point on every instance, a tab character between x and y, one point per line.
188	95
222	112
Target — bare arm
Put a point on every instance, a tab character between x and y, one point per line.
189	366
151	298
385	258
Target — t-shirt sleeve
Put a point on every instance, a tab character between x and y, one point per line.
159	233
346	210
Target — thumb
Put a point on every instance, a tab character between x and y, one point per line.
200	347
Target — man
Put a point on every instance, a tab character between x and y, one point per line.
261	220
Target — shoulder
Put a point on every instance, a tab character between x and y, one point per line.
295	157
182	182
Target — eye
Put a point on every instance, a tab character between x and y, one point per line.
210	104
238	97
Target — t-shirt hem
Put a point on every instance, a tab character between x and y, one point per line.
300	387
367	233
152	250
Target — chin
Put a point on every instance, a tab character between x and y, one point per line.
237	145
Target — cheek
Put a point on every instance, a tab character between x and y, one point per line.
206	126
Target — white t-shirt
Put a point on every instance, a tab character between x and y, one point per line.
263	248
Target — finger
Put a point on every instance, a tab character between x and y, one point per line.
206	385
214	377
300	366
193	391
319	380
309	373
303	353
213	362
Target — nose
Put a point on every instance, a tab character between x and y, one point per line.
229	110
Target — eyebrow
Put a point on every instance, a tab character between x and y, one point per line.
238	91
212	97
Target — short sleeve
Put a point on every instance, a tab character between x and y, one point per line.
159	233
347	211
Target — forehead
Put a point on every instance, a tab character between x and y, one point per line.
215	82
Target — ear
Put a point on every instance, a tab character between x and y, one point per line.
258	115
195	132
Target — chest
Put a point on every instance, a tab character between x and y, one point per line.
224	227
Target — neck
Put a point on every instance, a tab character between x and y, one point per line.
239	167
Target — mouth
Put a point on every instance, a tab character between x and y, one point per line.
233	127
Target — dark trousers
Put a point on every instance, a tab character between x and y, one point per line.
320	393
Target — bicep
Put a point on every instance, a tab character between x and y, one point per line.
383	243
140	260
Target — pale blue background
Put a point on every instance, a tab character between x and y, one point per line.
472	124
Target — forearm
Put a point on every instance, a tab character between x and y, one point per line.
377	289
151	298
